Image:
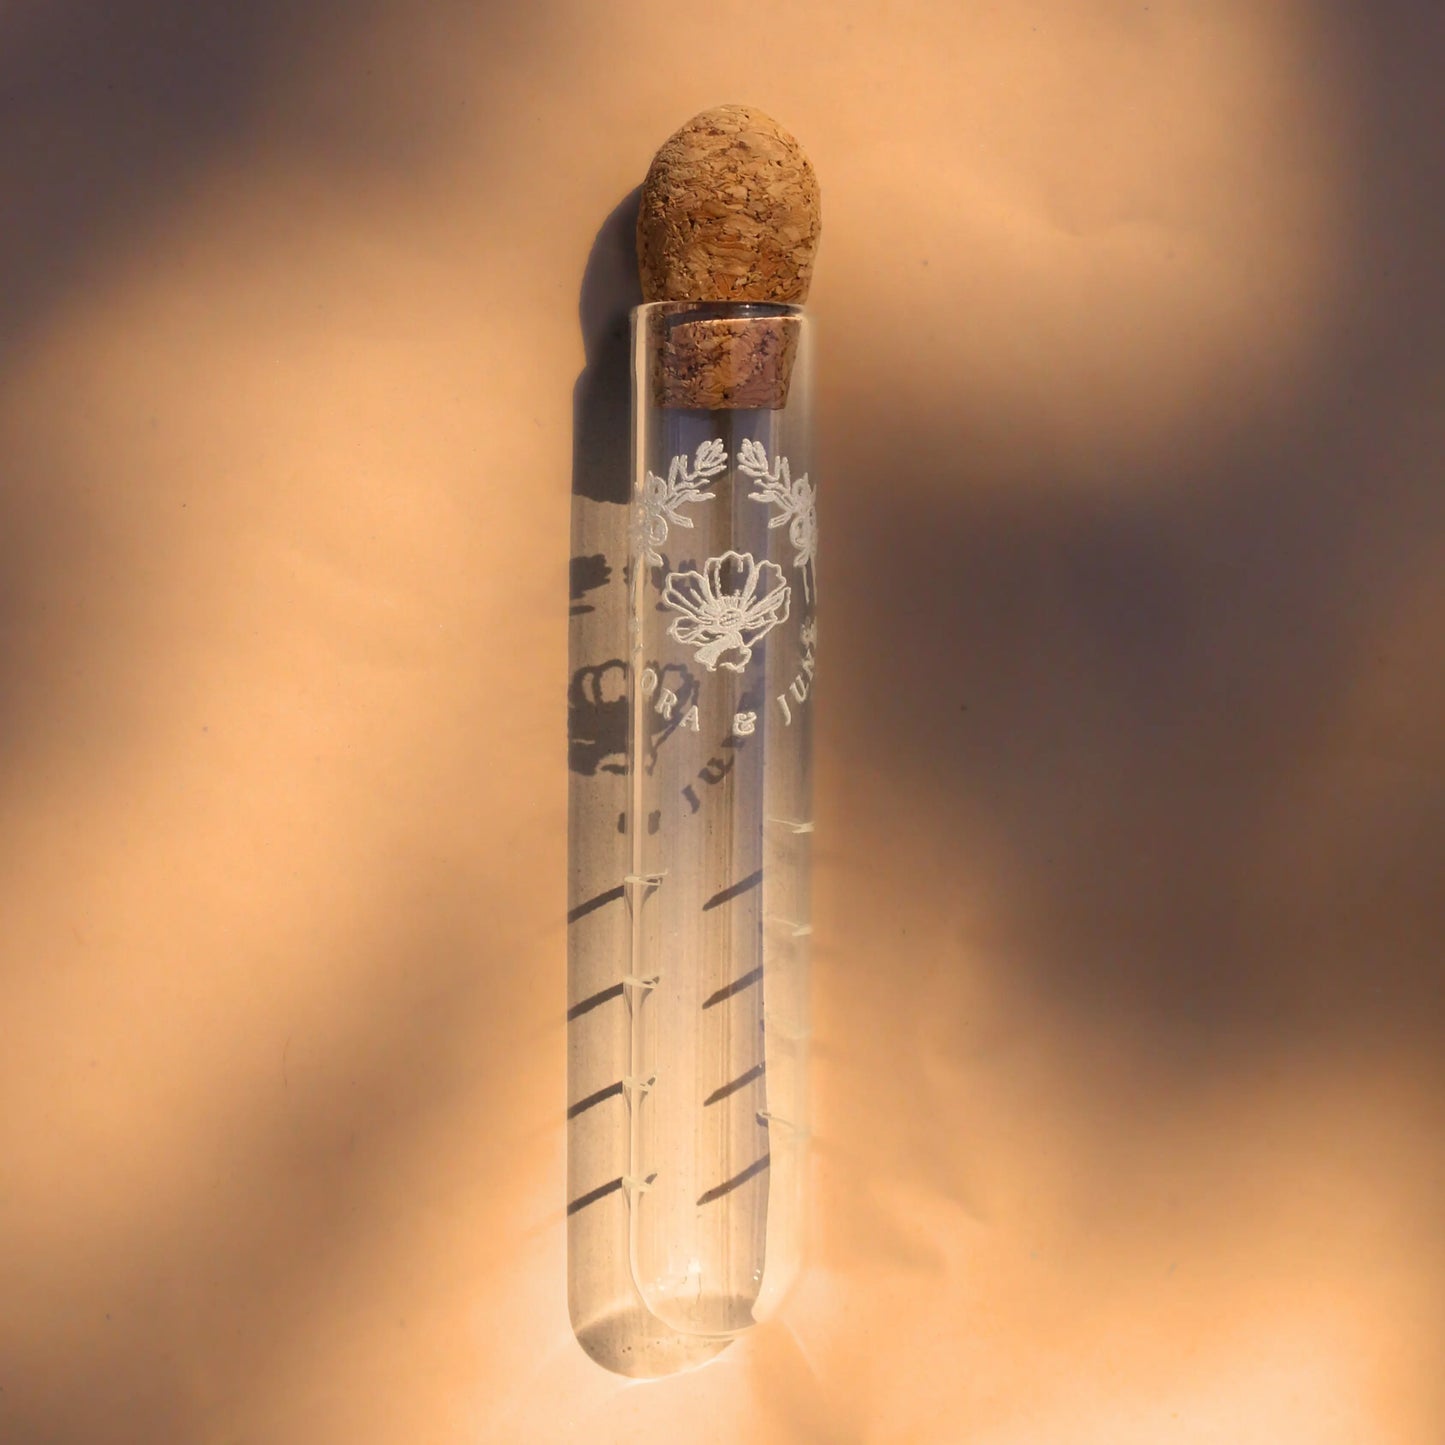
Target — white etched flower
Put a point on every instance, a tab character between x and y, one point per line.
727	607
659	498
797	501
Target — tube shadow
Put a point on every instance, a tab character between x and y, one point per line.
608	1319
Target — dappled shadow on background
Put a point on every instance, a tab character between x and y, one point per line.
200	1305
111	117
112	113
1173	750
1132	822
184	1304
1129	700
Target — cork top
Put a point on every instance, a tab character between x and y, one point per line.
729	212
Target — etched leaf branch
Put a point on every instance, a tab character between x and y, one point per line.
796	501
657	509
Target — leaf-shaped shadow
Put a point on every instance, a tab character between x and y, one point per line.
597	718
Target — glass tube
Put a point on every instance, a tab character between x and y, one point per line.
723	597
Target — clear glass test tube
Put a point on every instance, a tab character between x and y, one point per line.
723	596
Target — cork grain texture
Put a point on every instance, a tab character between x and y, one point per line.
724	363
729	212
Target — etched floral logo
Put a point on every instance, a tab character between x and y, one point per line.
726	608
797	500
656	509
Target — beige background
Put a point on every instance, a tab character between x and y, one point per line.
1131	718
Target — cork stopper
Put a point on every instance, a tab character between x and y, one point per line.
729	214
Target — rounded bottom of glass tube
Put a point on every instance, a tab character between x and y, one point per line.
716	1316
630	1340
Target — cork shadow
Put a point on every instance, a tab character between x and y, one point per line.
602	398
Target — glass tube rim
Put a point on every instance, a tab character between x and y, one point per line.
739	310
